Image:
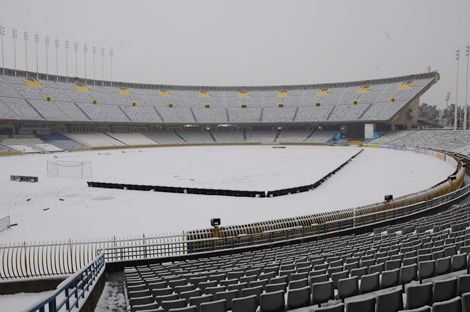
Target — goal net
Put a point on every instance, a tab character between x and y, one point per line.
69	169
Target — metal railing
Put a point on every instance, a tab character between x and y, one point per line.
71	293
189	247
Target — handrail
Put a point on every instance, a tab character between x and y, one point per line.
72	291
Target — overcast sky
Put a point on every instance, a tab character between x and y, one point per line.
249	42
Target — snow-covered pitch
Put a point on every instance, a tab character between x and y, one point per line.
57	209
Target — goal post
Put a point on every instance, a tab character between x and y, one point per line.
69	169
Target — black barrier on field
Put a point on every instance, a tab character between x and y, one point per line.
221	192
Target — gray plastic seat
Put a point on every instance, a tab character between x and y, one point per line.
426	269
185	309
159	299
443	265
214	306
335	277
365	305
298	283
244	304
322	292
276	287
422	309
161	292
333	308
445	289
228	295
419	295
141	300
390	278
145	307
297	298
392	264
261	283
272	302
465	302
370	282
348	287
172	304
359	272
196	301
376	268
213	290
452	305
390	301
463	283
257	291
192	293
408	273
319	279
459	262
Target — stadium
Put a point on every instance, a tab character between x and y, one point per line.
133	196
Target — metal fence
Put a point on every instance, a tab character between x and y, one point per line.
124	253
72	292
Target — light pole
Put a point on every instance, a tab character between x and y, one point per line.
85	50
2	34
457	58
111	54
102	63
47	42
14	34
93	49
467	54
26	37
56	43
447	98
67	45
36	41
76	58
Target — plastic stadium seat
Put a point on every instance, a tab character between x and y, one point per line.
465	302
445	289
335	277
192	293
298	283
196	301
141	300
370	282
298	298
272	302
426	269
392	264
443	265
452	305
171	304
408	273
390	278
238	287
204	285
280	279
365	305
159	299
185	309
422	309
359	272
214	306
390	302
334	308
180	289
228	296
319	279
261	283
322	292
419	295
213	290
257	291
459	262
162	292
244	304
463	282
145	307
378	268
276	287
348	287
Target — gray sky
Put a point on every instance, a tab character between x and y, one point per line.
250	42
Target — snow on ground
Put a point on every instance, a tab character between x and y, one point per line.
63	208
22	301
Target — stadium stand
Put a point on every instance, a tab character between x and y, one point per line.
165	136
321	136
61	142
132	138
94	139
260	135
293	135
227	135
411	264
451	140
195	135
50	100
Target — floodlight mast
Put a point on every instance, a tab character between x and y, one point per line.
456	107
2	34
26	38
465	110
36	42
56	43
14	34
47	42
67	46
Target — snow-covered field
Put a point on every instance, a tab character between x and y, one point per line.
56	209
